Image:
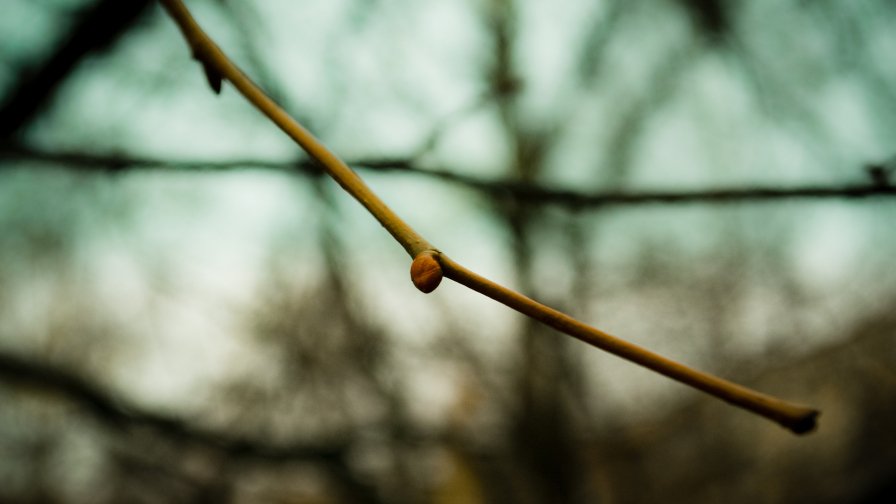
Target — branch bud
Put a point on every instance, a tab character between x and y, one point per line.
426	272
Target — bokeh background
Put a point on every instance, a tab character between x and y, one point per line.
191	312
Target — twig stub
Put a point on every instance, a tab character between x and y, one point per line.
213	77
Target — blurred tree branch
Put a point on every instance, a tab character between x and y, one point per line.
100	24
120	415
875	185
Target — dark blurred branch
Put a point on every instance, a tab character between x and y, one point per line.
117	414
98	26
115	163
876	186
712	18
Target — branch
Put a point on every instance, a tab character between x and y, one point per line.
530	193
117	414
428	259
97	27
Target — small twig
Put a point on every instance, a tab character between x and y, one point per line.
429	263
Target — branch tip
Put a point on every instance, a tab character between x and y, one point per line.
804	424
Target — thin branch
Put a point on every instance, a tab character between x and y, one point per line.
218	65
799	419
530	193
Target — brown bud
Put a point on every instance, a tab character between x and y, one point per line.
426	273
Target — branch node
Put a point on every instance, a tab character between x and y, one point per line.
426	272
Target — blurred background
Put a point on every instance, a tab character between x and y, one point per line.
191	312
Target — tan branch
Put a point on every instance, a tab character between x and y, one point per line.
218	66
430	264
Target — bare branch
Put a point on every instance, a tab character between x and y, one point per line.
96	27
876	186
121	415
799	419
